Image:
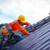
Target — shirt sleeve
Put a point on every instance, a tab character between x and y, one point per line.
26	23
20	28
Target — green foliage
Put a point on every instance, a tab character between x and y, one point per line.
2	24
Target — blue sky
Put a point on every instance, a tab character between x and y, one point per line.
33	10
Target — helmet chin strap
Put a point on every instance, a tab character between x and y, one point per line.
20	22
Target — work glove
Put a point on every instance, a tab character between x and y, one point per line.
30	33
31	27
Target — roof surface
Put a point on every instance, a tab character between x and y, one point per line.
39	40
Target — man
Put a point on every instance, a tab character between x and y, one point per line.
17	25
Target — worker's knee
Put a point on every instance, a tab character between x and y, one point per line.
17	35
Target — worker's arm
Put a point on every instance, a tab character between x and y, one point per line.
28	24
31	27
20	28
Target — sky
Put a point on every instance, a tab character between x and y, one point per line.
33	10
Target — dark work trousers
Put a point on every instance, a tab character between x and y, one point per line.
17	37
4	40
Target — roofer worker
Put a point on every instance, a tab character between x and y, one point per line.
17	25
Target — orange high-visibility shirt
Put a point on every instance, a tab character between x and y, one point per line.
16	26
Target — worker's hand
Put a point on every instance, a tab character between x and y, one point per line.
30	33
31	27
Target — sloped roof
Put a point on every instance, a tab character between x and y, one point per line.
39	40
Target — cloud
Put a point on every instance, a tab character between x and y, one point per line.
3	19
33	10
